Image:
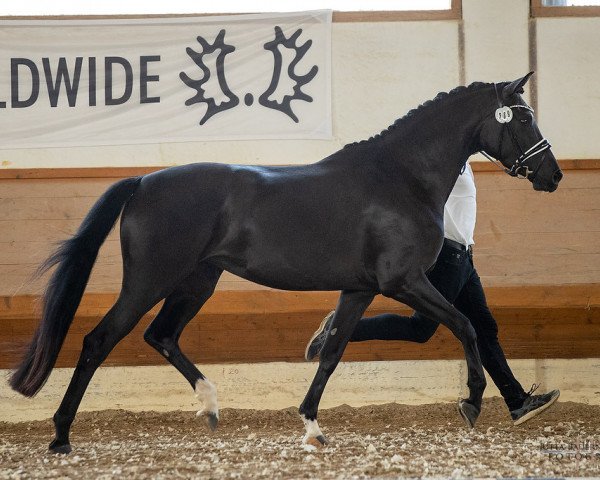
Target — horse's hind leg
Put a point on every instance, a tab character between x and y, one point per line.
164	331
348	312
117	323
425	299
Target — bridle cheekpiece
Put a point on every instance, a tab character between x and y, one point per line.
504	115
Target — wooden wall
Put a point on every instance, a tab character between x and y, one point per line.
538	256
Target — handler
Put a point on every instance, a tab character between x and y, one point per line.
455	277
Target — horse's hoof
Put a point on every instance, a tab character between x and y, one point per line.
318	441
211	418
468	412
57	447
212	421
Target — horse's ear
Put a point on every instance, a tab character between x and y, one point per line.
516	86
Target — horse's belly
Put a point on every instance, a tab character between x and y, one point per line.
302	272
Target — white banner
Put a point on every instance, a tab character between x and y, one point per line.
114	82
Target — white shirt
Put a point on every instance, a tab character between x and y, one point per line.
461	209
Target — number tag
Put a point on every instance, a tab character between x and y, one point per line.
504	114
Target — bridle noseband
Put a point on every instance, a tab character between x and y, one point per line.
504	115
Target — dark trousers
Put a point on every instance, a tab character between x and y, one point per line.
456	279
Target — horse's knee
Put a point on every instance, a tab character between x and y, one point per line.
468	335
329	358
327	364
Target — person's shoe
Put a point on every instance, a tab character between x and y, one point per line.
533	405
316	342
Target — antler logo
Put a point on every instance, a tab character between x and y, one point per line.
198	85
264	99
301	80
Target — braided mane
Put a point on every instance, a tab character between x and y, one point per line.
438	98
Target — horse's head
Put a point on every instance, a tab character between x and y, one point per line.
511	136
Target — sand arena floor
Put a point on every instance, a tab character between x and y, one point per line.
375	441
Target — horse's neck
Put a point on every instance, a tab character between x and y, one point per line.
453	126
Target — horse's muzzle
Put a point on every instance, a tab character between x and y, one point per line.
557	177
551	184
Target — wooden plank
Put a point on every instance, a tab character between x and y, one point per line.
563	243
47	209
259	338
54	188
549	296
582	297
546	221
531	205
535	322
40	230
30	253
538	268
80	172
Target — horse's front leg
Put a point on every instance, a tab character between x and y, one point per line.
425	299
348	312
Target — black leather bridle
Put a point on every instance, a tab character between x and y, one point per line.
519	169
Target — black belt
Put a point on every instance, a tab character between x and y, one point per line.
457	245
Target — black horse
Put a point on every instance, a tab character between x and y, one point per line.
366	220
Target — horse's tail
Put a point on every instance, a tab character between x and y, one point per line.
75	258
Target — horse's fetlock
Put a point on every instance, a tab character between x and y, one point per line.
313	431
62	423
207	394
307	413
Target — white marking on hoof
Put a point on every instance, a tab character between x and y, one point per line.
312	430
207	394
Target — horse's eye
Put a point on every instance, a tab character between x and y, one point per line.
524	120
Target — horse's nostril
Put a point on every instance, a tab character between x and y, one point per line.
557	176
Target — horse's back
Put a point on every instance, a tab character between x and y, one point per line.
286	227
